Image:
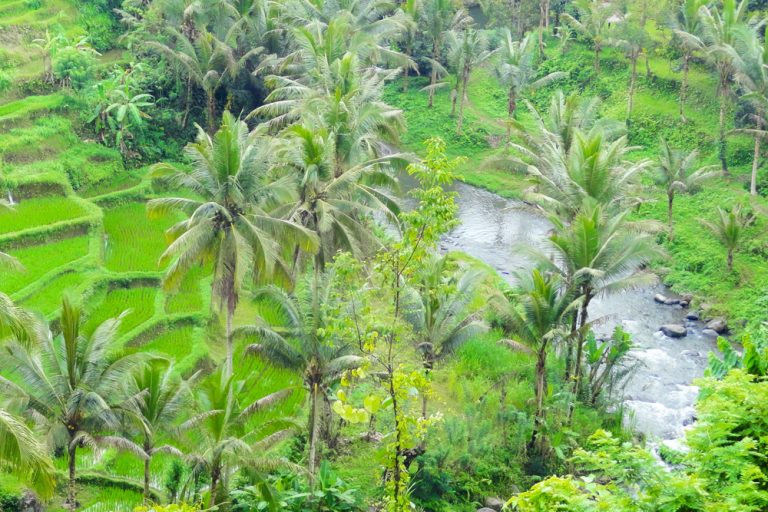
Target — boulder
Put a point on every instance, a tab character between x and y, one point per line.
693	315
687	297
30	503
709	332
494	503
485	509
674	330
661	299
719	325
672	302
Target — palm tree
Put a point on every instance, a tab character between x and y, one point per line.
468	50
752	75
69	383
223	431
231	226
686	25
441	17
592	24
157	396
538	318
207	61
674	174
631	39
597	253
335	206
728	228
296	338
15	321
22	453
720	29
413	10
516	70
593	168
444	312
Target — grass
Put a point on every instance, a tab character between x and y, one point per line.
135	242
31	105
186	345
41	259
138	304
188	298
39	212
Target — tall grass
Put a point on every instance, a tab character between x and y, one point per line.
48	299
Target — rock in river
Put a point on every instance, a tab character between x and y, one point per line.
674	330
709	332
660	298
693	315
719	325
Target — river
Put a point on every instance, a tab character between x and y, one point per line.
659	396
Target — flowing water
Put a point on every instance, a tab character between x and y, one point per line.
660	394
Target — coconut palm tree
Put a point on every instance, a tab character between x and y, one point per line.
157	396
599	252
593	168
413	10
538	318
225	434
441	17
631	38
24	455
468	50
720	29
231	226
517	71
728	227
333	206
207	62
296	337
752	76
592	24
16	322
674	174
686	25
70	383
443	309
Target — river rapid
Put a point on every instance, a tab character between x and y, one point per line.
659	396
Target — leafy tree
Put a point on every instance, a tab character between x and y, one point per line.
674	174
224	433
468	50
157	396
592	24
295	335
444	312
440	18
69	384
686	25
720	30
517	71
231	226
728	228
538	317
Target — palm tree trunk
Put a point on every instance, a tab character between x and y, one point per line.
314	426
72	465
684	85
730	260
631	92
723	148
433	79
146	478
537	441
229	365
187	103
756	157
406	69
579	352
212	111
462	99
542	14
511	107
597	60
647	66
215	476
670	201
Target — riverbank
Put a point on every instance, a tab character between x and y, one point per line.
697	262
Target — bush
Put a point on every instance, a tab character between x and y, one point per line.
74	67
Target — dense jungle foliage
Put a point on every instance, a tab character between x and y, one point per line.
225	275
